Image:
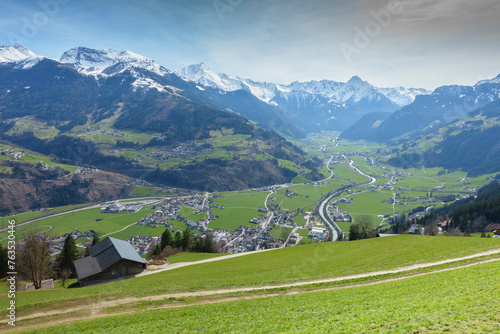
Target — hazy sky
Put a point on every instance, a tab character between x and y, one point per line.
417	43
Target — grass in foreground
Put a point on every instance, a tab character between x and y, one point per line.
461	301
294	264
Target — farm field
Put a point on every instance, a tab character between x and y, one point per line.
280	232
463	304
84	221
288	265
39	128
140	191
35	158
239	209
25	216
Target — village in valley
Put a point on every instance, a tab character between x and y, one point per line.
244	239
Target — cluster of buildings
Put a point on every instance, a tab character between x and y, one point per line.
343	201
179	151
14	154
130	207
339	215
253	238
318	233
86	170
171	210
45	167
247	239
143	245
391	185
156	219
113	132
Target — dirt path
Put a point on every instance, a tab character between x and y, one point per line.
95	310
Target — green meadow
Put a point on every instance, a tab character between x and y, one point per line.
25	216
35	158
83	221
464	304
287	265
239	209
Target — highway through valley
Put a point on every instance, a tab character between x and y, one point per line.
322	207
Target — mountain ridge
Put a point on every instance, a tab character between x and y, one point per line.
429	112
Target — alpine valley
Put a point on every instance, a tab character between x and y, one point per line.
249	166
124	114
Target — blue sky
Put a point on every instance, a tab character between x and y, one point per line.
417	43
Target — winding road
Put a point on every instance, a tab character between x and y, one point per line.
322	208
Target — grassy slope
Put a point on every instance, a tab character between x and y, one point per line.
292	264
35	158
420	304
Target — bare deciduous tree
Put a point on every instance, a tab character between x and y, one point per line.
363	229
455	232
431	228
34	259
65	275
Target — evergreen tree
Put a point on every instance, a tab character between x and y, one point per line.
178	240
4	262
187	239
68	255
95	241
166	239
354	233
157	250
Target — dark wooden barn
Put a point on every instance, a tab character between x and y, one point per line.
109	259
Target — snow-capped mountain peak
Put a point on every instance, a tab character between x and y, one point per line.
403	96
353	91
490	81
355	80
94	62
15	53
203	75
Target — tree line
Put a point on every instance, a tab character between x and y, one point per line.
184	242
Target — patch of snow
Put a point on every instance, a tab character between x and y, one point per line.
146	83
109	62
403	96
15	53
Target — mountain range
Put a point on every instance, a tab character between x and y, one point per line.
470	144
132	92
313	106
294	110
89	92
426	114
